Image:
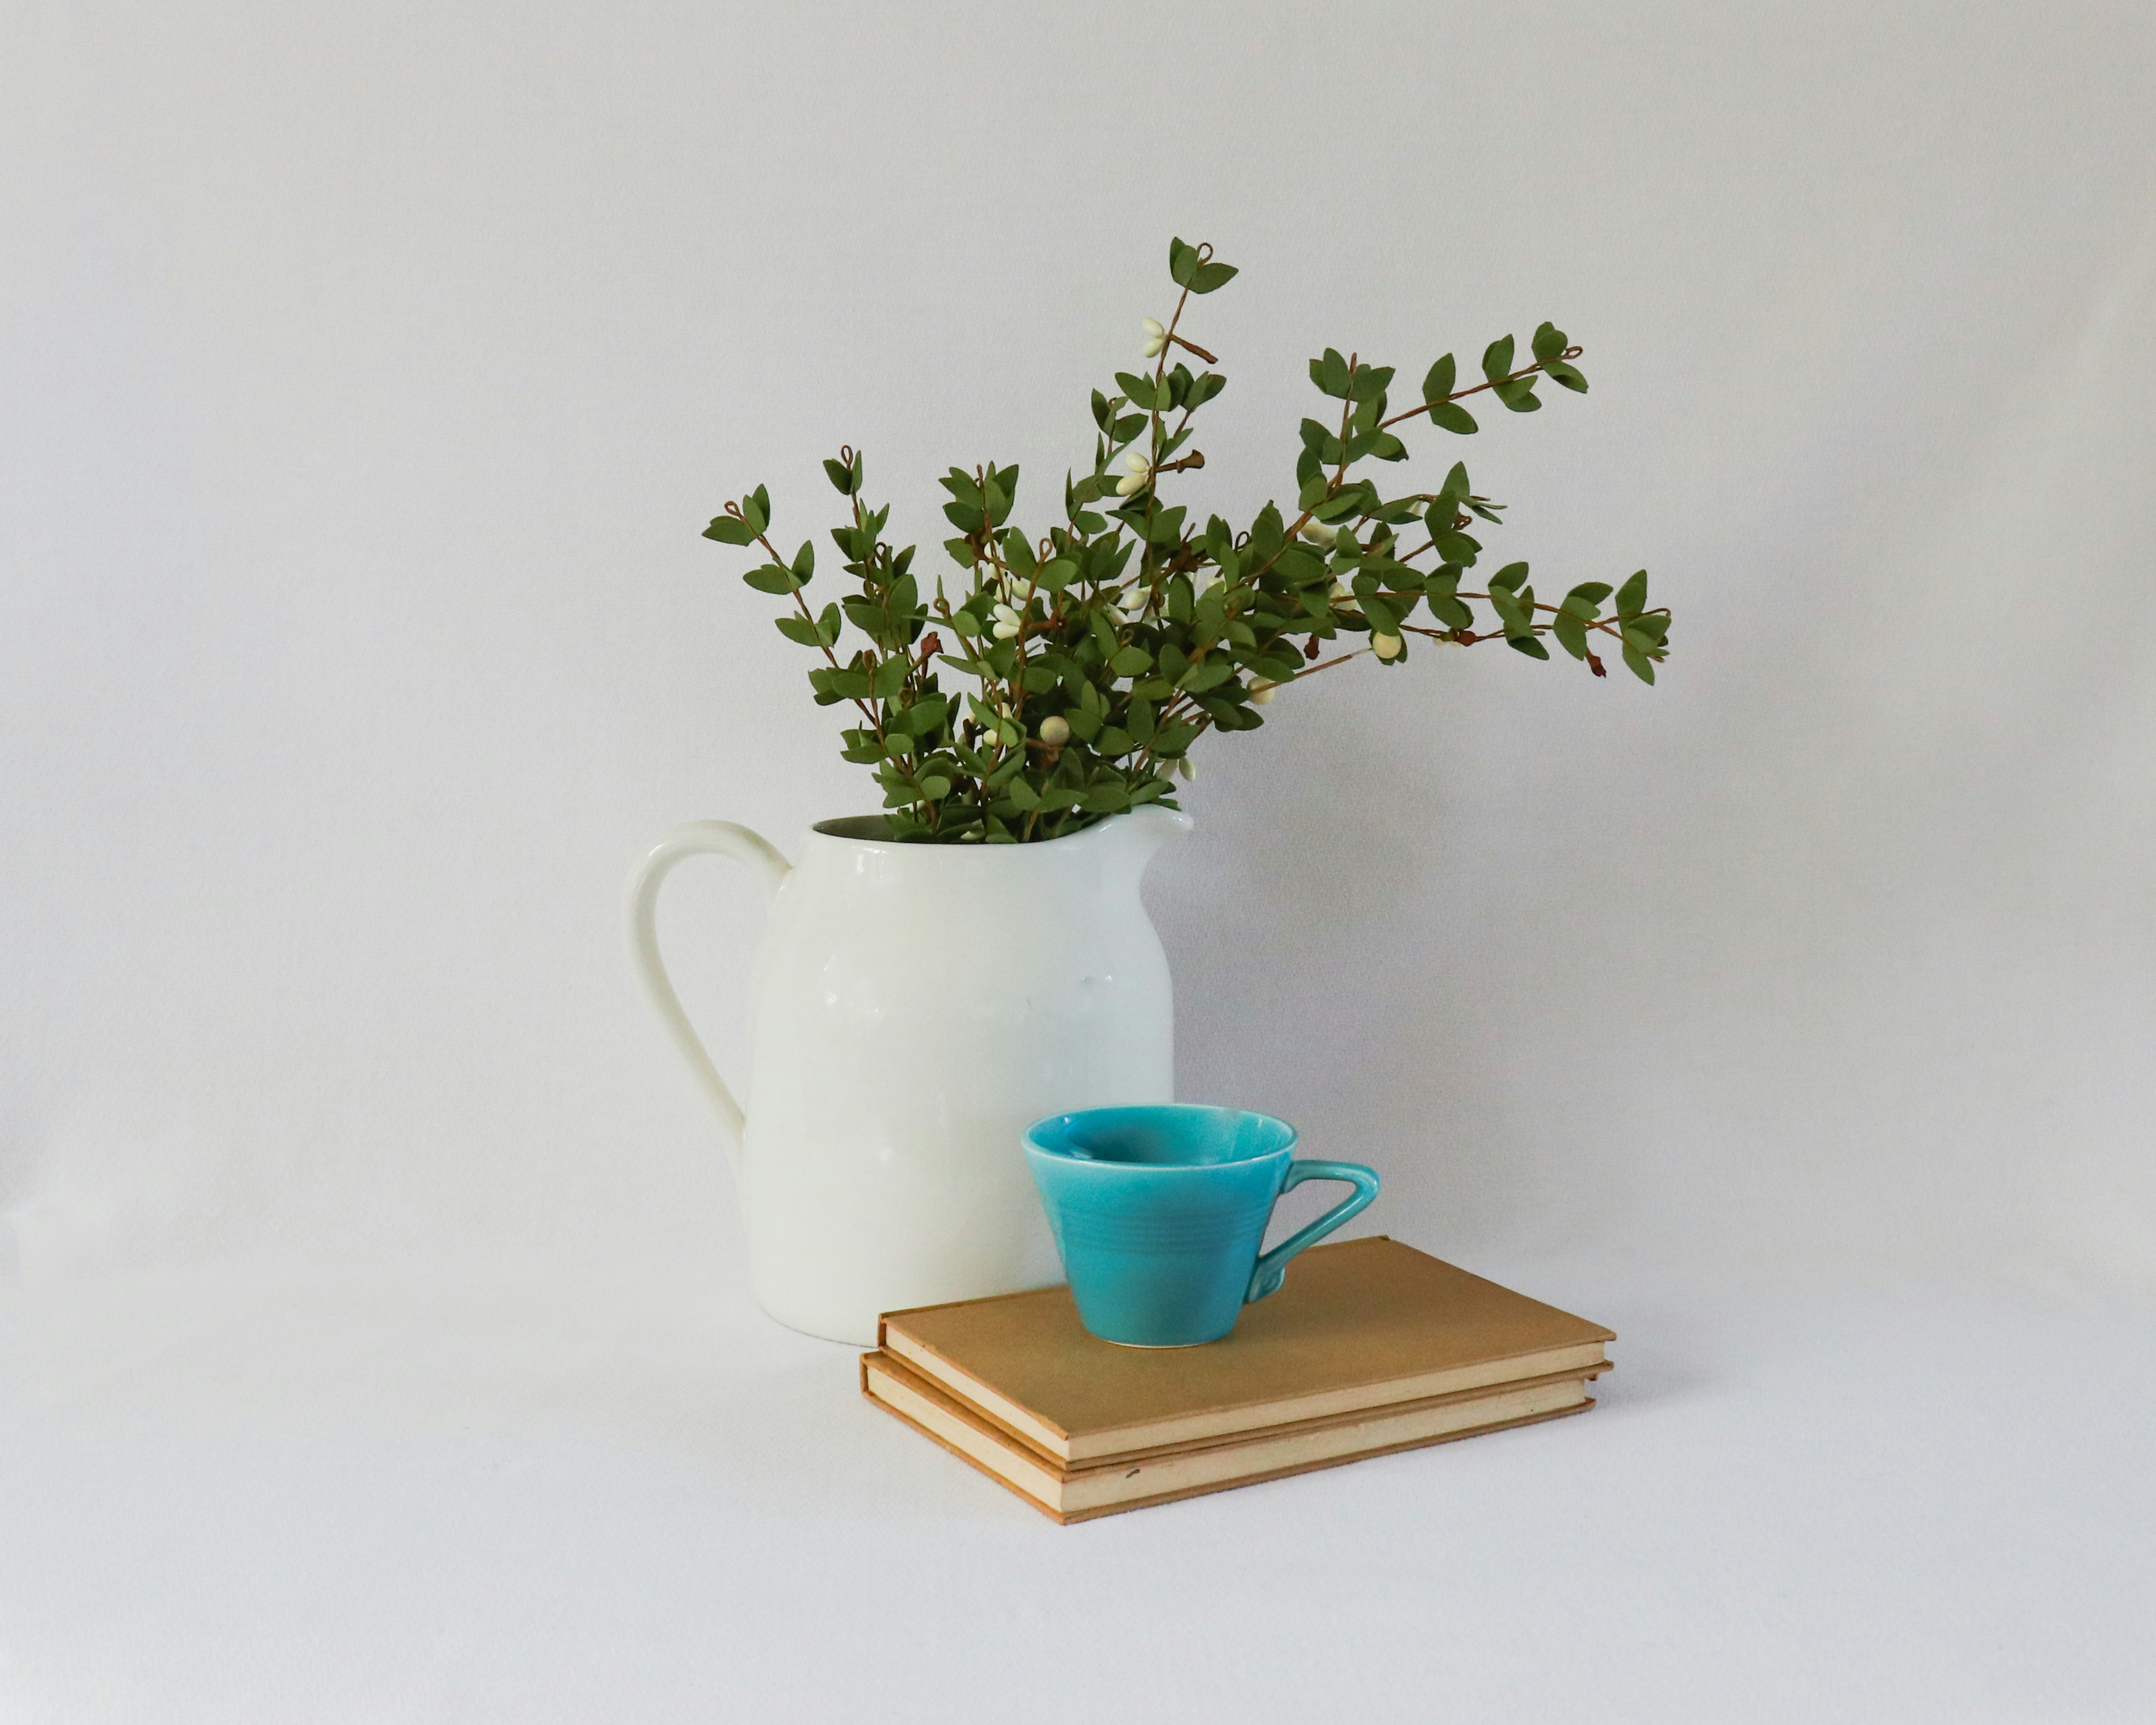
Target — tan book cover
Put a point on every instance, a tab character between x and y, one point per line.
1359	1324
1079	1494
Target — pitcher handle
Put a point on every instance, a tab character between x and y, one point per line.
699	838
1266	1276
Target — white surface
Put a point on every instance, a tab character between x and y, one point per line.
366	374
427	1498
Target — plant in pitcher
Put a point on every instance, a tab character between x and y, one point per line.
1050	685
1090	659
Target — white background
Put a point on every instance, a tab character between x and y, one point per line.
373	1343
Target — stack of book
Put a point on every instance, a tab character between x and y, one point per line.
1370	1348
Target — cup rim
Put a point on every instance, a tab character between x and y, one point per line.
1034	1148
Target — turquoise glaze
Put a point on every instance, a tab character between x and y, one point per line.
1159	1211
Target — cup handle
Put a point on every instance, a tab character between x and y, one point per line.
1266	1278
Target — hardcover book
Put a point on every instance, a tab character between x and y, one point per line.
1078	1494
1370	1347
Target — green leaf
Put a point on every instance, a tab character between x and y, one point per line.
772	579
1132	661
757	507
1590	593
1298	566
1497	358
1452	416
1021	793
1528	644
1209	277
1182	262
1560	371
1549	343
727	530
1056	574
800	630
1209	675
1642	667
1438	383
1370	382
804	561
1452	612
1385	615
1084	725
1570	632
1632	596
1509	577
1330	374
841	477
1140	391
1518	395
1229	716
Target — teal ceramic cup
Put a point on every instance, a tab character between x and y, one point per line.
1159	1211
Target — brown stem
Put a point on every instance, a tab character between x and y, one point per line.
1312	671
875	720
1462	394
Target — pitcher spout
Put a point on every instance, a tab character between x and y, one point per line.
1131	839
1149	826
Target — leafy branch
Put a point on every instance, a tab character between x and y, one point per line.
1100	651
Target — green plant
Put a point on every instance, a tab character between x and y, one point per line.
1102	650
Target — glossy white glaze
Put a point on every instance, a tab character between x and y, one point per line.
913	1008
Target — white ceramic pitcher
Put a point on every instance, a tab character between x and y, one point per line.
913	1008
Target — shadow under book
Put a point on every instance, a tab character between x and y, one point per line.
1370	1348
